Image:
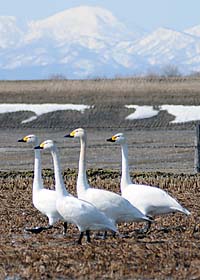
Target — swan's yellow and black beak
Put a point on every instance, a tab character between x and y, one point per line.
40	147
71	135
25	139
112	139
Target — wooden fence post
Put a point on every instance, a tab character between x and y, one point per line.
197	149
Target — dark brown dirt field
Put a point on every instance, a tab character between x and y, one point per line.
169	251
160	154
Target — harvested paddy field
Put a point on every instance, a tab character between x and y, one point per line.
161	153
171	250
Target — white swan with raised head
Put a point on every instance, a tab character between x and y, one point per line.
73	210
117	208
43	199
150	200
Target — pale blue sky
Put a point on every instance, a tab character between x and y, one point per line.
148	14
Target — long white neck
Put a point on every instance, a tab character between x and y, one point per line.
59	183
37	180
82	181
125	178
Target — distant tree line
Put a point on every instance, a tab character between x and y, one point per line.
166	71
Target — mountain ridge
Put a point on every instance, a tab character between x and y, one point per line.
89	41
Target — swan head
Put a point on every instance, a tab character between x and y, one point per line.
46	145
78	132
31	138
118	138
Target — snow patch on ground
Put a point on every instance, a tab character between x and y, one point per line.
142	112
40	109
181	113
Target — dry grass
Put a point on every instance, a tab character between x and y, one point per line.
153	91
169	251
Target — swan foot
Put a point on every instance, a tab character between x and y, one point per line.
146	228
37	229
179	228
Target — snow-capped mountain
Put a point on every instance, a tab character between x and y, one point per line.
90	26
166	46
195	30
90	42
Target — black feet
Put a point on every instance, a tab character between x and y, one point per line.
146	228
37	229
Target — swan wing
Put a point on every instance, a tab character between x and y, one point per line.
45	201
113	205
151	200
83	214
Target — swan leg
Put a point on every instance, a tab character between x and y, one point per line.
38	229
80	238
88	236
105	235
146	227
113	234
65	228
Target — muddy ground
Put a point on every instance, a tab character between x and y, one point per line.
171	250
160	154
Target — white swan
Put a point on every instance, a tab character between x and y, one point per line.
73	210
117	208
151	200
43	199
